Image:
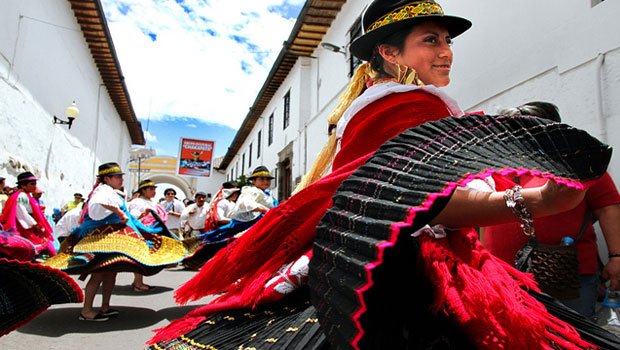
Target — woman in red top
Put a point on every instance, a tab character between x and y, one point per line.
409	56
601	202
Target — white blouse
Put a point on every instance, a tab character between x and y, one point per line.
103	194
24	211
381	90
138	206
250	199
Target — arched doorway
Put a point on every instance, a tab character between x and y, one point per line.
161	169
174	180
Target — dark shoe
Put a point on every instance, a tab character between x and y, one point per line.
144	288
109	313
98	318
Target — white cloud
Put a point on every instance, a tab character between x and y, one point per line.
208	64
193	126
150	137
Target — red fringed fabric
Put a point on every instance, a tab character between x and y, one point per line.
211	220
288	230
469	282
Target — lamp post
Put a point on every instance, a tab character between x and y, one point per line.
138	154
71	113
334	48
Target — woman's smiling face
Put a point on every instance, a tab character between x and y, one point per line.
427	50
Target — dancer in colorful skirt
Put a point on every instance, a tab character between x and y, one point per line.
111	240
27	288
222	206
218	215
142	209
254	201
23	214
469	299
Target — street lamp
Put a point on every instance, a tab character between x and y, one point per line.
334	48
71	113
138	154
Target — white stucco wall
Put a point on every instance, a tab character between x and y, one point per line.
45	64
556	51
516	51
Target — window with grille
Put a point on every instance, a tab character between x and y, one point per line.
270	133
243	164
258	143
250	156
287	110
354	32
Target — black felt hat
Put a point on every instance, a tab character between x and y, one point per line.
146	183
111	168
26	177
260	171
386	17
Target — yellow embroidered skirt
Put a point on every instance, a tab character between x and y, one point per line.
117	248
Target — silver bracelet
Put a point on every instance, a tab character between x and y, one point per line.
514	200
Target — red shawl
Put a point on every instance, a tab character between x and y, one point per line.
287	231
43	241
470	284
211	220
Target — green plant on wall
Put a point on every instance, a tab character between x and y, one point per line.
241	181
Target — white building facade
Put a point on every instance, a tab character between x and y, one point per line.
564	52
49	58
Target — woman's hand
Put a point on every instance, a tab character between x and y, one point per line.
146	212
38	229
611	272
123	217
556	198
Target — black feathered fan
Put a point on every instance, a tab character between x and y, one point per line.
364	257
27	289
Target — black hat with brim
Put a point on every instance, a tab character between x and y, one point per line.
108	169
146	184
398	15
26	177
261	171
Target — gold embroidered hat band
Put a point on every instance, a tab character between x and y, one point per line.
146	183
110	168
406	12
260	171
386	17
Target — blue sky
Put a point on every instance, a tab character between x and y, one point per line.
194	67
172	129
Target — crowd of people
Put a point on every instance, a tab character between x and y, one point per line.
366	217
109	233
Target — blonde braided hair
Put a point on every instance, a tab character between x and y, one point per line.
364	73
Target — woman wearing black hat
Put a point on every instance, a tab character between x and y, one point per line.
218	215
408	48
254	201
28	288
141	208
110	240
23	214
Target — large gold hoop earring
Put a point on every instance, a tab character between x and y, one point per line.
407	75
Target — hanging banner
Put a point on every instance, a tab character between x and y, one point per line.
195	157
